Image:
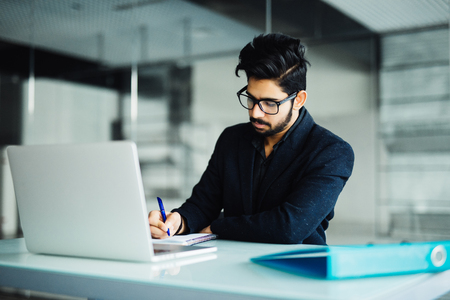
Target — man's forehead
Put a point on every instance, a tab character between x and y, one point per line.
266	88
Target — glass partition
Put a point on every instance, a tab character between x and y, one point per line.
93	71
161	73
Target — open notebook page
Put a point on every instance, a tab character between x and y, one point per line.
187	240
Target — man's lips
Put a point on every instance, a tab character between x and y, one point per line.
258	123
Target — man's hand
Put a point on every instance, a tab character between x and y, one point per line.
206	230
158	228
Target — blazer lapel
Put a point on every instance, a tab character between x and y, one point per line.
278	165
286	153
246	158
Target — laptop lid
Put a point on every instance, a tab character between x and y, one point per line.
85	200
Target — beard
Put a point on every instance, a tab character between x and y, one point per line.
278	127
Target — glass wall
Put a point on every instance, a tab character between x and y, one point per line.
161	73
415	132
90	71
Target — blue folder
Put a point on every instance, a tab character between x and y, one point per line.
335	262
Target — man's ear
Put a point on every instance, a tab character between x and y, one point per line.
300	100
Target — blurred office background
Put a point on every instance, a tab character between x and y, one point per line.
161	73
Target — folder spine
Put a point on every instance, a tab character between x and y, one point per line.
388	259
357	261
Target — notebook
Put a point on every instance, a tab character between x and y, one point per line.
188	240
86	200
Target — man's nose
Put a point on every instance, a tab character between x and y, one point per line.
256	112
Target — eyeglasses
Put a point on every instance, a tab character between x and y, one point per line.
269	107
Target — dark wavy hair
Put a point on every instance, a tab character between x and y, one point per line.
278	57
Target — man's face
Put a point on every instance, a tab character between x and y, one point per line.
264	124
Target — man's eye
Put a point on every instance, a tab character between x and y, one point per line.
269	103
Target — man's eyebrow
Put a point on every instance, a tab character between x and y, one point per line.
264	99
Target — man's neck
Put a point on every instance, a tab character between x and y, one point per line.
270	141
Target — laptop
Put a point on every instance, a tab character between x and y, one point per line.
86	200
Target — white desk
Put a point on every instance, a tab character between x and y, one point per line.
228	274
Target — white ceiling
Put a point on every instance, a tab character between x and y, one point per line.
117	32
383	16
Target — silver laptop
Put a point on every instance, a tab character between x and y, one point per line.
86	200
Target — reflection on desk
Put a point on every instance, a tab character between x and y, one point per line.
226	274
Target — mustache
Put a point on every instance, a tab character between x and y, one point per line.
253	120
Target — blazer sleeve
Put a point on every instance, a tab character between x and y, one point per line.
300	214
205	203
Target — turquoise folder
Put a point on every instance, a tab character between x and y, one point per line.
356	261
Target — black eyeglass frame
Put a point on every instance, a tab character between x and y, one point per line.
255	101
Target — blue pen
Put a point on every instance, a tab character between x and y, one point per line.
163	212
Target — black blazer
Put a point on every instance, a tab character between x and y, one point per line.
297	196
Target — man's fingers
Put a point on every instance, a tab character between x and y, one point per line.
159	231
154	217
158	228
174	219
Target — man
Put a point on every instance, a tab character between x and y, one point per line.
276	178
